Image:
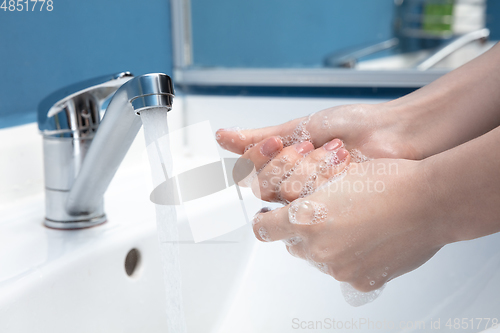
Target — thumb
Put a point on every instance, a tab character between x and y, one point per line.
301	129
236	140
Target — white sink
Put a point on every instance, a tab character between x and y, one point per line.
75	281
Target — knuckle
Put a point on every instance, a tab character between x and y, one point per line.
265	194
315	157
256	190
289	195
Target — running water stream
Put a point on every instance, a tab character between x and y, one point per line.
160	159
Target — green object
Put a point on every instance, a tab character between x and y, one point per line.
438	17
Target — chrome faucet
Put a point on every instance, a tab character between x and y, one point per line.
83	146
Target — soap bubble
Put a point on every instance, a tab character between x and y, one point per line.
307	212
292	241
264	235
249	146
357	298
358	157
300	134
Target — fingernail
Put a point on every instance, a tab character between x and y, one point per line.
271	146
263	210
257	217
332	145
304	147
342	154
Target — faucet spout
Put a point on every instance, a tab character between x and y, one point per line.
95	158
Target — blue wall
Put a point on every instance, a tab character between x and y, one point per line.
292	33
493	18
284	33
43	51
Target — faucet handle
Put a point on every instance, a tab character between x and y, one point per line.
74	111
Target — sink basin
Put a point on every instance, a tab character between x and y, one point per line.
76	281
411	59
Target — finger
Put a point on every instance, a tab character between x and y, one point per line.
316	169
319	128
237	140
273	225
259	156
270	177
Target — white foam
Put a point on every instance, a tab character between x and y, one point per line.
264	235
292	241
307	212
358	157
233	129
299	134
358	298
285	176
319	265
249	147
257	218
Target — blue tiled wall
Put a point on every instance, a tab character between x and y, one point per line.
294	33
493	18
43	51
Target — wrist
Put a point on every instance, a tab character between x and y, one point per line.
398	125
437	209
417	122
417	205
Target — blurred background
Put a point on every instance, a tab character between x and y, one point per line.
42	51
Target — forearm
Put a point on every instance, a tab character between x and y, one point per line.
454	109
464	188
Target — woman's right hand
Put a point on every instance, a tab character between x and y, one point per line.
372	130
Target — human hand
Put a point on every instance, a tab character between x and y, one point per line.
372	131
285	174
365	229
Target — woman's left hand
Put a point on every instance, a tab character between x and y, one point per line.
369	227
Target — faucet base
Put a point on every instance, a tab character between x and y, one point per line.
69	225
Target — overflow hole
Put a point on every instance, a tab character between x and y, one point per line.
132	261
